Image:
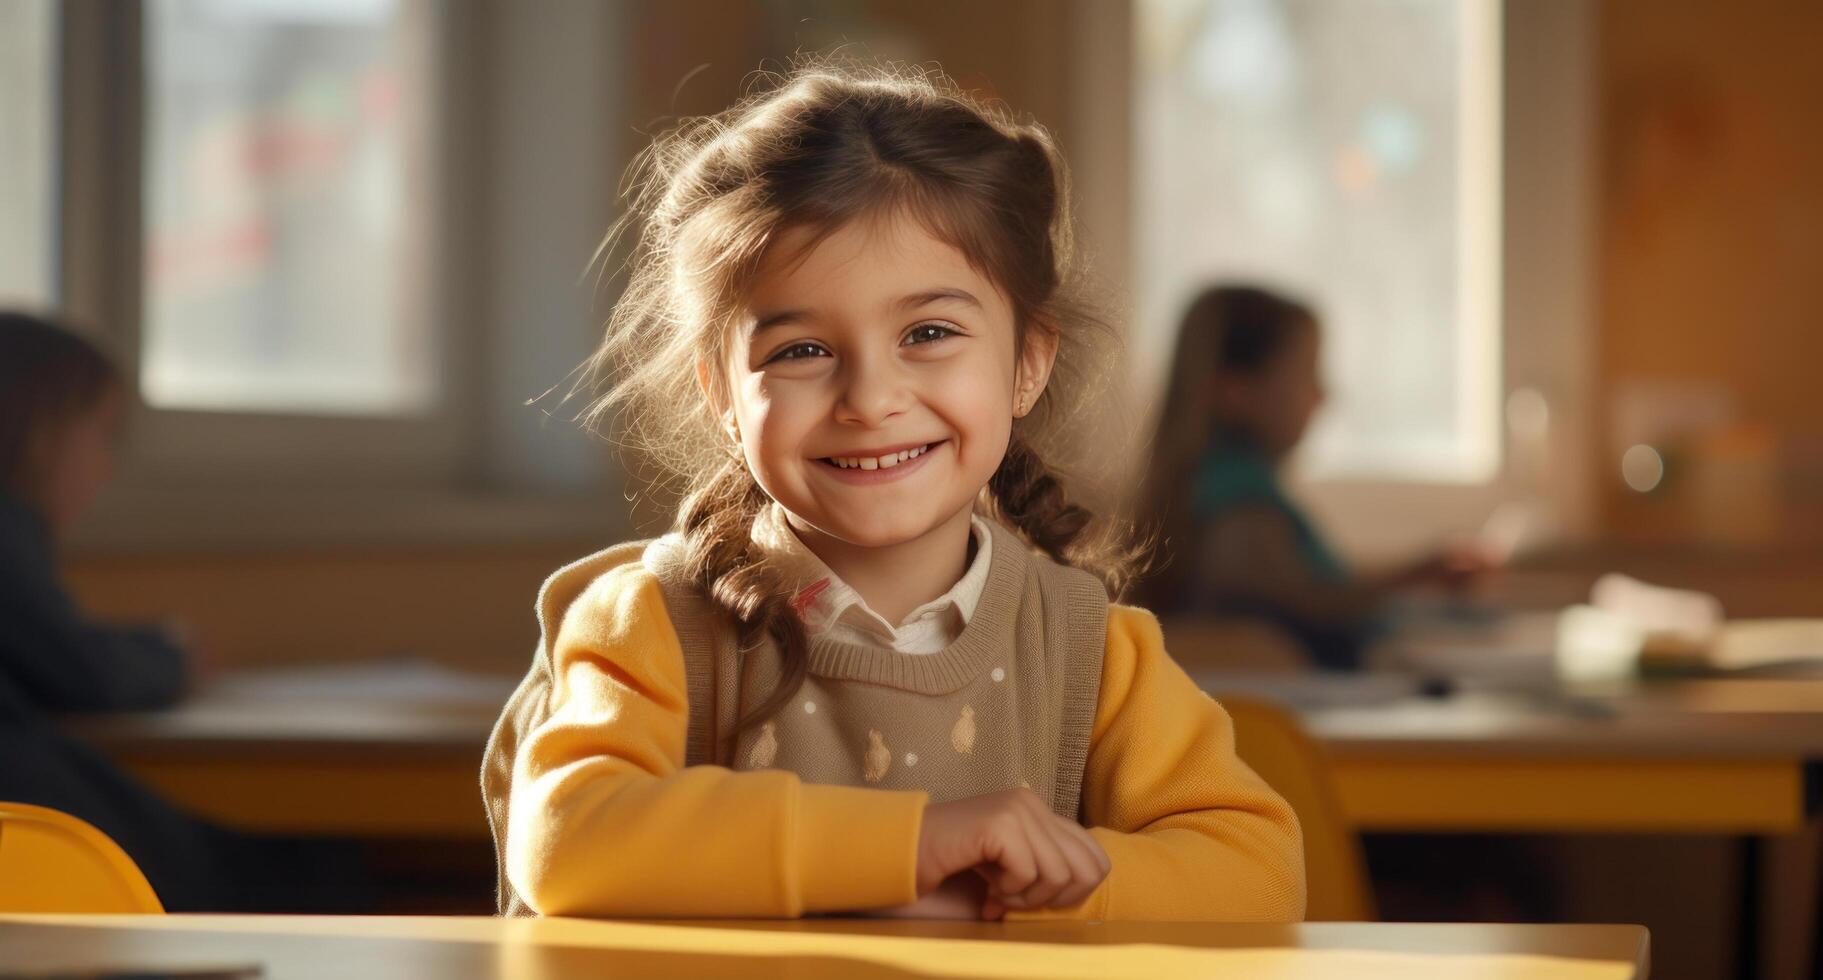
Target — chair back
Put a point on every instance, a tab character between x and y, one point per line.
51	862
1269	739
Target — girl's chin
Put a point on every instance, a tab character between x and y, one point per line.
879	534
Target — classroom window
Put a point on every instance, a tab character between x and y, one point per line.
1347	152
288	223
28	187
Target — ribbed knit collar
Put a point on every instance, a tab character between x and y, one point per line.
989	634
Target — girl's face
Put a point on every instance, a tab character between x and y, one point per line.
79	460
1277	402
873	381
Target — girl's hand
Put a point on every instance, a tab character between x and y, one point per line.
1030	857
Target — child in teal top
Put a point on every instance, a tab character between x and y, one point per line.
1246	382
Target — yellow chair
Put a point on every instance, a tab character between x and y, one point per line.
51	862
1270	740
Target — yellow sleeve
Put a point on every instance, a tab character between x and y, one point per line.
1190	831
607	821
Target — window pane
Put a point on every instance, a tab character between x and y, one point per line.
28	192
1347	152
286	228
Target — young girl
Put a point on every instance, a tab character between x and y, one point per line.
873	667
1246	381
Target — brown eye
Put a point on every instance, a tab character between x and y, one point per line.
925	333
799	351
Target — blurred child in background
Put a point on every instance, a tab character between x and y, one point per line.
1246	381
62	404
61	408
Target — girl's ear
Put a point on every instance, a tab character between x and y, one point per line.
714	393
1037	355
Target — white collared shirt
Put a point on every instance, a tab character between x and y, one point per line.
832	609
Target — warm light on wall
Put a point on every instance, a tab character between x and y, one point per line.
1642	467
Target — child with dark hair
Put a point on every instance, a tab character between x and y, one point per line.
61	407
1246	381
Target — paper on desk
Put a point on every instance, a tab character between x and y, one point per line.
1748	643
1683	627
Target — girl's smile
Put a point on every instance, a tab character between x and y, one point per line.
880	466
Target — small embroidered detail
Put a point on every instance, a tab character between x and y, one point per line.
765	748
807	595
810	707
911	758
879	757
962	735
999	674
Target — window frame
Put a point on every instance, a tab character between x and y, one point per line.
484	469
1544	266
102	113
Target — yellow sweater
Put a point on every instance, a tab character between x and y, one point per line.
607	821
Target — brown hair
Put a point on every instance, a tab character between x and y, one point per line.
1227	329
48	376
824	145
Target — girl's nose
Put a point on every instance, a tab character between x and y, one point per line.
873	391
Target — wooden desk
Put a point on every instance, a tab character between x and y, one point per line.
384	751
457	947
1627	763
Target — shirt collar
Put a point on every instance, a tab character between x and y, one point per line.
823	599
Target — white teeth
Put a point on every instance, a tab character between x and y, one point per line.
877	462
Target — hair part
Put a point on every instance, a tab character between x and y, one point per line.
49	375
819	147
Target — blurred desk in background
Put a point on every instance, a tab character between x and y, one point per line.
1641	762
395	750
1738	758
387	749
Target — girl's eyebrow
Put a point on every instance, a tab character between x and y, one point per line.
766	321
933	295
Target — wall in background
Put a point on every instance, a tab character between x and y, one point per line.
467	607
1711	302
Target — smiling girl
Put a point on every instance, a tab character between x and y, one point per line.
874	667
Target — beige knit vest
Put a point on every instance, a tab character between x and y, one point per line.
1010	703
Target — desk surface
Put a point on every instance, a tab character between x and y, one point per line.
457	947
